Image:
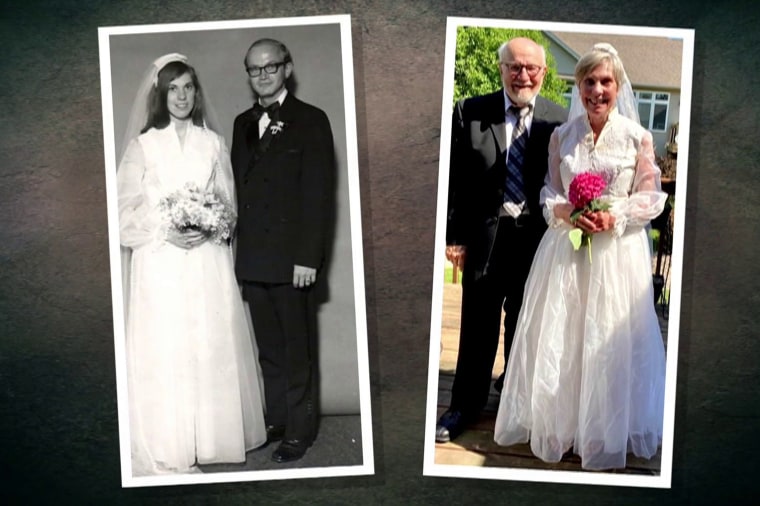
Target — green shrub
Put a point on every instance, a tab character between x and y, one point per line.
476	70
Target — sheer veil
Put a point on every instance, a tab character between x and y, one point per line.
626	100
138	118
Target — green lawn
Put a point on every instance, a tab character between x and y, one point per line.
654	237
448	275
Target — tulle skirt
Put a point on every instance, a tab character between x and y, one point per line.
587	365
195	395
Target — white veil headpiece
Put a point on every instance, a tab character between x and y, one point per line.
138	116
626	100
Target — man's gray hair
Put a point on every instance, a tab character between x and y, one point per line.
503	50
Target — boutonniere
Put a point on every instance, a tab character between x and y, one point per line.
276	127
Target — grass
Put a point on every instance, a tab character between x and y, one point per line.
448	274
654	237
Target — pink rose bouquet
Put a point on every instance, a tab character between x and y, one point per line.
191	208
584	194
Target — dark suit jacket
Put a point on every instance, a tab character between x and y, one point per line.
284	194
478	171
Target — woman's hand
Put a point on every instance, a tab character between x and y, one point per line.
589	222
583	222
600	220
186	240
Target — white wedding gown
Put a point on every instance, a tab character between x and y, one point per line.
193	380
587	365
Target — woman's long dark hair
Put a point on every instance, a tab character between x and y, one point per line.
158	112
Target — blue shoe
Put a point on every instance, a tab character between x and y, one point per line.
450	426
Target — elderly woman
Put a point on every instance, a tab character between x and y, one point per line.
587	365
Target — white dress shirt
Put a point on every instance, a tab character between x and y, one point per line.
264	120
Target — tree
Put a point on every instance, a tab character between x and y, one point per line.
476	71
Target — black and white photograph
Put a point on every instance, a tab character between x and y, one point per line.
236	250
559	245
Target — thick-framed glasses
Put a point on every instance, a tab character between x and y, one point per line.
269	68
516	68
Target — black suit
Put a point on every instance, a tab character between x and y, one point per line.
499	250
284	197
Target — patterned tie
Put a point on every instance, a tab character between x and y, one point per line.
514	185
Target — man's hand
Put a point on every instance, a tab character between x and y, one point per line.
456	254
303	277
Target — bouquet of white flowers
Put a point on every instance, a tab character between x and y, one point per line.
191	208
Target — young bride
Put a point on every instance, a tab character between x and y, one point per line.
194	392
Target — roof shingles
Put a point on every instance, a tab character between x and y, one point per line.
650	62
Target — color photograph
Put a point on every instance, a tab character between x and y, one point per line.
559	244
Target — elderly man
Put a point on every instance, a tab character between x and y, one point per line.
283	160
498	163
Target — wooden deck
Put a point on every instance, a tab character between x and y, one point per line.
476	446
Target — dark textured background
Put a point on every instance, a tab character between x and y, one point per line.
58	430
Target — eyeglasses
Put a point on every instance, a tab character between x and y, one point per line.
516	68
269	68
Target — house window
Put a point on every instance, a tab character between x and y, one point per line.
653	109
568	94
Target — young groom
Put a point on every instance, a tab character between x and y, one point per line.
283	160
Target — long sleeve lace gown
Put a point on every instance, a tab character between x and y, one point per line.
587	365
194	392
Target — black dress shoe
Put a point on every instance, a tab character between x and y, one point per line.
451	424
498	385
290	450
275	433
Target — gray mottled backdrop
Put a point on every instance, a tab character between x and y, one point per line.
58	429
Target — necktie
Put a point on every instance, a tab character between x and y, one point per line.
252	134
513	190
273	111
259	110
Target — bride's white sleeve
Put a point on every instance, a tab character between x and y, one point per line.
646	199
224	179
553	192
139	222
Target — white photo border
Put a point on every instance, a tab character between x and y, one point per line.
352	158
663	480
